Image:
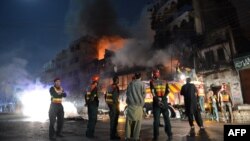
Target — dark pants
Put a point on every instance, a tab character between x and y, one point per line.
92	113
157	112
56	113
114	116
197	116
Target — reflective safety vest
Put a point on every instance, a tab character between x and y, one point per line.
159	87
58	90
225	96
57	100
212	99
89	92
109	96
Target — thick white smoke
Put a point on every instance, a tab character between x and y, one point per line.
138	51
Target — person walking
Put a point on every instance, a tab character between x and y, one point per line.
189	92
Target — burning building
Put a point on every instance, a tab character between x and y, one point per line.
185	43
212	36
74	65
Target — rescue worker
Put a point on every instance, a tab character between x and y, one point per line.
225	102
135	101
159	89
92	102
189	92
56	112
112	99
201	95
212	100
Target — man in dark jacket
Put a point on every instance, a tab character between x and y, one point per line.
56	112
189	92
160	90
92	102
112	99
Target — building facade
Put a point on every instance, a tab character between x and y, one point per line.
73	65
208	35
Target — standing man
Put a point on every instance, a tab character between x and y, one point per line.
135	101
212	100
191	107
225	102
92	102
201	95
56	112
159	89
112	99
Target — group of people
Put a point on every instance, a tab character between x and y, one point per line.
223	101
135	101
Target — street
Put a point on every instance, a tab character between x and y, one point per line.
13	128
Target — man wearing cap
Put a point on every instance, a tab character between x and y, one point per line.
92	102
135	101
112	100
56	112
159	89
225	102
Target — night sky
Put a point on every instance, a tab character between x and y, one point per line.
34	30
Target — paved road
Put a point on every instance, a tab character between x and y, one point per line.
16	128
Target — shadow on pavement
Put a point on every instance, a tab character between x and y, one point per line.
201	135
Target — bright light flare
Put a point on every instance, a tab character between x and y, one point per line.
36	102
69	110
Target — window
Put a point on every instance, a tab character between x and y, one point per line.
72	49
209	58
70	74
221	54
78	47
75	73
76	60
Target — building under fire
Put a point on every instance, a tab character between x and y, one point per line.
203	45
212	36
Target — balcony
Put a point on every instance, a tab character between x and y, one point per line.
185	17
168	5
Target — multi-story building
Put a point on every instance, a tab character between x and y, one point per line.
73	65
208	35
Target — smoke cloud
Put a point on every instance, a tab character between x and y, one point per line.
13	76
93	17
98	18
138	51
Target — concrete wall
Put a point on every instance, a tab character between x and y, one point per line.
229	77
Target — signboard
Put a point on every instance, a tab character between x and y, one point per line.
242	62
236	93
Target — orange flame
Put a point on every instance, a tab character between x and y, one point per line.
171	65
111	43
